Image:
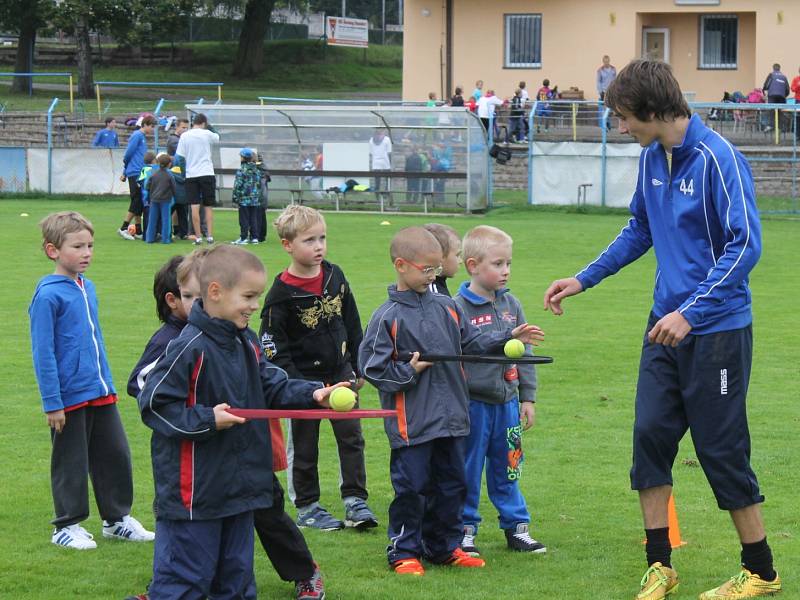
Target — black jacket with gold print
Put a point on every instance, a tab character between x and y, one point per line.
310	336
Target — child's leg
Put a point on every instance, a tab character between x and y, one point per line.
252	220
243	223
186	558
109	462
503	467
410	470
445	528
166	222
350	443
303	454
68	468
481	422
285	546
152	222
234	579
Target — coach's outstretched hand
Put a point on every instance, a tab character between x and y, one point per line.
528	334
558	290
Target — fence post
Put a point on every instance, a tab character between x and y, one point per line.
155	130
794	157
97	93
777	128
604	156
531	132
219	94
574	122
490	172
50	145
71	96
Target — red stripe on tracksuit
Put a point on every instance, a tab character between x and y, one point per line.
187	447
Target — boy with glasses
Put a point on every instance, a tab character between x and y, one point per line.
428	436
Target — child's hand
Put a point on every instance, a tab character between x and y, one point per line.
322	394
122	178
527	415
419	365
528	334
224	419
56	420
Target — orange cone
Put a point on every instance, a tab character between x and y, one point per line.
674	530
675	540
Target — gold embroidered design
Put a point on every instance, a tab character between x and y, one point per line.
323	308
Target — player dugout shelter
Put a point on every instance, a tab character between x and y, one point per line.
320	154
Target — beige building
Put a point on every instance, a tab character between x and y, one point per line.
713	45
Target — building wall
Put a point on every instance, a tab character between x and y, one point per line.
576	34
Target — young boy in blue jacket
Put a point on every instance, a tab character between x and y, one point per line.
695	205
428	436
78	395
132	163
501	396
208	464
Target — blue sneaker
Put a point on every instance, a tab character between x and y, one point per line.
358	515
318	518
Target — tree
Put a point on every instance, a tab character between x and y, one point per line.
249	59
24	17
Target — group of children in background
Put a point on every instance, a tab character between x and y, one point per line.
204	361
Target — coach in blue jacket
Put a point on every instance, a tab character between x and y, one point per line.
695	205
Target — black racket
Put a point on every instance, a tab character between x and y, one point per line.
498	359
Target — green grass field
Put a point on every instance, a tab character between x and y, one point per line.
576	471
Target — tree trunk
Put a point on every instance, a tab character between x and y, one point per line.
250	55
24	63
84	59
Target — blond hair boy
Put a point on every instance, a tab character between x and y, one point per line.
78	395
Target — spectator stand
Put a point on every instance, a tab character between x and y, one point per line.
295	141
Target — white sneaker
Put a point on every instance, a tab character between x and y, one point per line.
74	536
239	242
125	235
127	529
209	240
254	241
198	241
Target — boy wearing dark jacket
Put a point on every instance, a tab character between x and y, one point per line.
311	328
428	436
208	464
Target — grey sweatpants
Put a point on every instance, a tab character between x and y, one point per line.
91	443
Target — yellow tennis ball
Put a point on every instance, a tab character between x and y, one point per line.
514	348
342	399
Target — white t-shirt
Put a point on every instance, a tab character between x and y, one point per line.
485	106
195	146
380	153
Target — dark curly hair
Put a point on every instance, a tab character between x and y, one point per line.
648	90
166	280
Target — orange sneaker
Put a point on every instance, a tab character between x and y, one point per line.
459	558
408	566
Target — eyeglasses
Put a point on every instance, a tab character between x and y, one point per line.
427	271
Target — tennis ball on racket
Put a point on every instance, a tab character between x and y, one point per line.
342	399
514	348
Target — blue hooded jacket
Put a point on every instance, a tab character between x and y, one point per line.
69	356
701	219
133	161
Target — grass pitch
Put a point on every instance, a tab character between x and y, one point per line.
577	458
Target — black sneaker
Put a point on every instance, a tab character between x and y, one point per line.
310	589
468	541
520	540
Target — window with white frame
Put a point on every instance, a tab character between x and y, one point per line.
523	41
719	41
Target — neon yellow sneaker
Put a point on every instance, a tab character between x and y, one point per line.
744	585
658	582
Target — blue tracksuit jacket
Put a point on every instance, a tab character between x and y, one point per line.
69	355
133	161
702	222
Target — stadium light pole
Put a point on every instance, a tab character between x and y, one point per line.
344	8
383	22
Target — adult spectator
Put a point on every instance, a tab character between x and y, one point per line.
195	147
107	137
606	73
696	352
478	91
776	86
486	106
380	151
132	164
